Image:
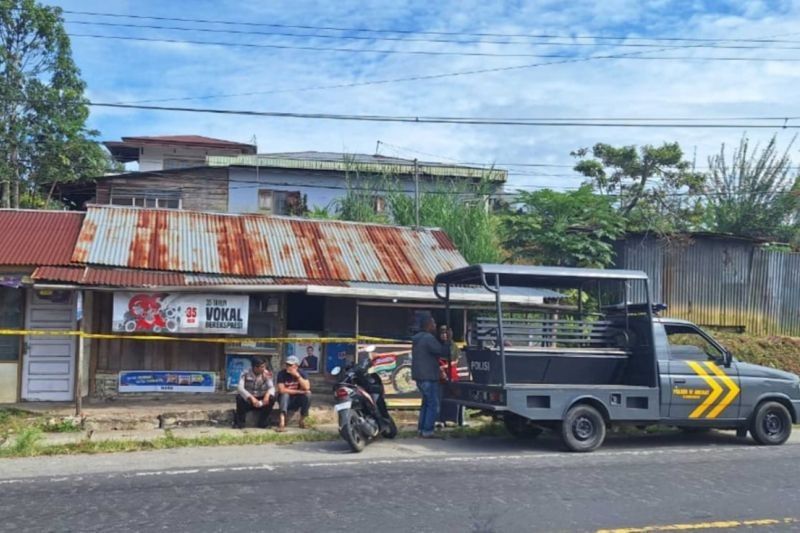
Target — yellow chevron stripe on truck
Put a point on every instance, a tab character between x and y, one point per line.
716	390
733	391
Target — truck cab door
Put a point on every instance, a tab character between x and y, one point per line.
701	388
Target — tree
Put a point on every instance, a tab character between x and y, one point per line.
458	208
650	184
43	135
575	228
755	193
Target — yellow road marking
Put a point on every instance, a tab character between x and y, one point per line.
721	524
732	393
715	388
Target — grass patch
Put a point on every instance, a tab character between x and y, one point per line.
30	446
773	351
16	421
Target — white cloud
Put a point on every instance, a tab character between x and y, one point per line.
125	71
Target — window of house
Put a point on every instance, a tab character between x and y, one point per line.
150	198
279	202
11	317
379	204
687	343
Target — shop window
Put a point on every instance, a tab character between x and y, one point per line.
264	318
305	313
11	317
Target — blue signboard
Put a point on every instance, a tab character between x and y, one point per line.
338	354
166	381
235	366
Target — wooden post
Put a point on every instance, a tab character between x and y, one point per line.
79	362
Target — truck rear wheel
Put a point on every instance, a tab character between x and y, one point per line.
771	424
583	429
520	427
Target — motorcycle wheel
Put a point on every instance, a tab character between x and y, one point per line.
351	434
401	379
391	431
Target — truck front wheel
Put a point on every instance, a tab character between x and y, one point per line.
583	429
771	424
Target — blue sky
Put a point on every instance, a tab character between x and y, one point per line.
128	71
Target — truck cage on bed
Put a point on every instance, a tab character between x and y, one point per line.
553	343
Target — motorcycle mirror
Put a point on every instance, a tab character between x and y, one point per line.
336	370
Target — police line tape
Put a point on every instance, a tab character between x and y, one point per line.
360	339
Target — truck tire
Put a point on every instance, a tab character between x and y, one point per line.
583	429
771	424
520	427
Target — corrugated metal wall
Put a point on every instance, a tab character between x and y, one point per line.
717	281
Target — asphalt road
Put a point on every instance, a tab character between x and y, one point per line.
711	482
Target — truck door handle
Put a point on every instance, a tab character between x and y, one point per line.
680	381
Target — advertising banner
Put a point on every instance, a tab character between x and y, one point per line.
308	352
166	381
144	312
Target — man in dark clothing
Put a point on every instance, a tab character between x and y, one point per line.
426	350
255	392
294	392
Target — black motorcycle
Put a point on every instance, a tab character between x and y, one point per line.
360	404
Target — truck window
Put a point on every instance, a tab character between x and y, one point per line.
687	343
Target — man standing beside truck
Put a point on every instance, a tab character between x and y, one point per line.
426	350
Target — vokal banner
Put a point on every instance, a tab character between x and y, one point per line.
180	313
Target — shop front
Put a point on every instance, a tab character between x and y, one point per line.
177	342
12	317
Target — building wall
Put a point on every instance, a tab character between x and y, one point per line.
723	282
9	381
201	189
152	157
321	188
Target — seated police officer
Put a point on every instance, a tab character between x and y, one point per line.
256	391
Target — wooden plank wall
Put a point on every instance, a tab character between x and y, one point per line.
202	189
113	355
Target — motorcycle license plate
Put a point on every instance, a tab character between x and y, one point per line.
343	405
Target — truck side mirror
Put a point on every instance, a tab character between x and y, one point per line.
727	358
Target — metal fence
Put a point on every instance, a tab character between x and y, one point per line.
720	281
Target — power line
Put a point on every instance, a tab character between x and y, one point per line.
757	46
423	32
421	52
444	120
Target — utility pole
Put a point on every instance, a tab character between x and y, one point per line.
416	191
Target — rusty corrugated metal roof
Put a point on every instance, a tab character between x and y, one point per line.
262	246
127	277
36	238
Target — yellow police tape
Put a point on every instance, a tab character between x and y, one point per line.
218	340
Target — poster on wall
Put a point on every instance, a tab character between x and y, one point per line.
166	381
338	354
147	312
392	362
308	352
235	366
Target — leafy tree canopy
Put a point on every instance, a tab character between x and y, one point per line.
753	192
575	228
43	135
653	186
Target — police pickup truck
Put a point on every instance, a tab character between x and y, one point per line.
590	351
